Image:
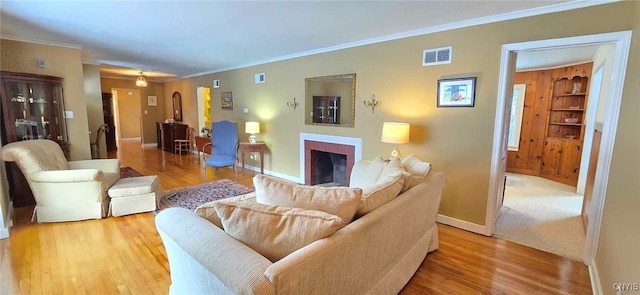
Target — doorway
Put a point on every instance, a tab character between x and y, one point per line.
127	114
541	206
621	43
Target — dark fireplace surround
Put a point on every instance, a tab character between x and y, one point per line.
310	149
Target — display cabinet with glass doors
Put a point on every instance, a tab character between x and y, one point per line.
32	108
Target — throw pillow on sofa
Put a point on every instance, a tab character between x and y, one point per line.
340	201
365	173
266	185
384	189
208	211
418	170
274	231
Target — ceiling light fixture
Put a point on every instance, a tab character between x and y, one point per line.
141	82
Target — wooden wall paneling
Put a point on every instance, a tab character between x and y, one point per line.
522	156
539	121
564	166
511	160
574	162
544	147
551	156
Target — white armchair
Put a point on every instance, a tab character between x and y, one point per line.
64	191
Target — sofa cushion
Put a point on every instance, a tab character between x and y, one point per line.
274	231
417	169
341	201
385	189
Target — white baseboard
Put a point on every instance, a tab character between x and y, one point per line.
269	172
461	224
149	145
131	139
4	232
596	286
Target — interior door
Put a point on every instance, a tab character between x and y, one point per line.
591	176
107	109
505	135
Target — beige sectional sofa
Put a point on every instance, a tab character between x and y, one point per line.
377	253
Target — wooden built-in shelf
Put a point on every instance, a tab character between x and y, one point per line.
570	94
566	124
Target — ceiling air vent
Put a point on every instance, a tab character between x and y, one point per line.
437	56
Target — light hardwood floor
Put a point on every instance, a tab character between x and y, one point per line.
125	255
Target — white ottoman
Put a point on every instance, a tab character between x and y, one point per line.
134	195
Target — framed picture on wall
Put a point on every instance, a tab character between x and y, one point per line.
152	101
226	99
458	92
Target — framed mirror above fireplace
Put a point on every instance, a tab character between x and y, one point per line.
330	100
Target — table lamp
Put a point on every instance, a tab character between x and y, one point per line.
252	128
396	133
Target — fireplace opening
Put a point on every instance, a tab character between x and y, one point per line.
334	161
329	168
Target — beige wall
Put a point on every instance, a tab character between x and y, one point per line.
457	141
93	96
154	114
189	95
618	256
61	62
129	113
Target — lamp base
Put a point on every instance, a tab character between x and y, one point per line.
252	138
395	153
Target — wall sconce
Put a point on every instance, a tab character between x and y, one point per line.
252	128
396	133
372	104
293	104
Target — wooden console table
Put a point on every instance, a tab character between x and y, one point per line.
258	147
168	132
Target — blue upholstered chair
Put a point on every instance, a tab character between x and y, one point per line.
224	146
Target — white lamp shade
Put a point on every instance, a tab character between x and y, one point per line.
393	132
252	127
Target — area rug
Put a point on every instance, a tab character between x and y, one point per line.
193	196
126	172
542	214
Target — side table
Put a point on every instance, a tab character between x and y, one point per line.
258	147
200	142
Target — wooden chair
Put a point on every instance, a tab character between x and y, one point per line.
184	144
95	146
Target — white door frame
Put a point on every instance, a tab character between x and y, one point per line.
622	41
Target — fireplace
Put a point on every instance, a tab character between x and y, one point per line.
328	159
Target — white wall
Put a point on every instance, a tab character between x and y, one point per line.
603	58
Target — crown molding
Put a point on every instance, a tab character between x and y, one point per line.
91	62
41	42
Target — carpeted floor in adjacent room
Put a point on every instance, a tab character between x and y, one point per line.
542	214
